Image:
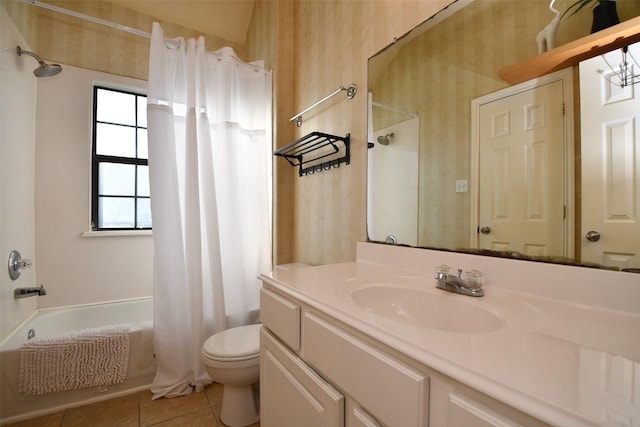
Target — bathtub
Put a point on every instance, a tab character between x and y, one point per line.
15	406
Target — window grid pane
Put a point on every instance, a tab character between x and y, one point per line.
115	140
116	107
143	213
120	171
116	179
116	212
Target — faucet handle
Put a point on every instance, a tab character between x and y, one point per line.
17	264
474	279
24	263
442	271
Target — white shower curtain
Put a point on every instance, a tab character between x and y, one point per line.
209	154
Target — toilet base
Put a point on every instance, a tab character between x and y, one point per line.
239	406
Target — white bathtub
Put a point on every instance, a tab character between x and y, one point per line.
15	406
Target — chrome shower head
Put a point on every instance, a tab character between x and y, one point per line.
44	70
385	140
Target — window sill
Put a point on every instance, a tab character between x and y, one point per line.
116	233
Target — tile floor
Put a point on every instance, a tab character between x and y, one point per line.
138	410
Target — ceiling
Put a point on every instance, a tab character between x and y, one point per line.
227	19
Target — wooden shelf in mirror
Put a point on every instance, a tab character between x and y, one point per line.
623	34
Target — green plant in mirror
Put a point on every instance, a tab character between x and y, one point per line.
604	13
581	4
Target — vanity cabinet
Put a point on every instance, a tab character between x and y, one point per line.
291	392
318	371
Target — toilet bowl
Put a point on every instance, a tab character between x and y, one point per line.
232	358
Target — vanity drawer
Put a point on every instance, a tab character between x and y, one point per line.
282	317
392	391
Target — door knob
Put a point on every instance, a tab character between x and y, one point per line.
593	236
485	230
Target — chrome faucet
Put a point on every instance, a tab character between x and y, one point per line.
29	292
457	284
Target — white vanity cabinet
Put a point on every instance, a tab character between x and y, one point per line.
312	369
292	394
317	371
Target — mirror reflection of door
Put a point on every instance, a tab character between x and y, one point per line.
611	152
521	159
394	158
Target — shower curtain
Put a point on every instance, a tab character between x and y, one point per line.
209	155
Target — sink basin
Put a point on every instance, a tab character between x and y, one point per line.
416	303
425	309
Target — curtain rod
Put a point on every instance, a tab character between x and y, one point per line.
397	110
88	18
115	26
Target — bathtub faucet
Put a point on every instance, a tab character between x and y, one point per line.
29	292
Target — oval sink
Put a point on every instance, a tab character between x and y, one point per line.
445	312
414	301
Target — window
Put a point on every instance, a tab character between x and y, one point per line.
120	172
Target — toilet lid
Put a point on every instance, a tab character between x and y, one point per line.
234	343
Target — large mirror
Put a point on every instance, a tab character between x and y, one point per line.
441	173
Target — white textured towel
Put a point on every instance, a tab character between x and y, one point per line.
78	359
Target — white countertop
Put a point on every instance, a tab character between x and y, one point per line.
558	359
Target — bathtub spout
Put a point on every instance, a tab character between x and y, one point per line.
29	292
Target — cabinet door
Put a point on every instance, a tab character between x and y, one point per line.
466	412
291	393
358	417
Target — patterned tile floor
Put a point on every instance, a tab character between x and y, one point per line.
138	410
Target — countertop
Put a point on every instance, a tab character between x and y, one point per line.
563	362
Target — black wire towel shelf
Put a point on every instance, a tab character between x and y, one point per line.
316	152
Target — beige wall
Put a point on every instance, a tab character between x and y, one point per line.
270	37
17	145
313	46
69	40
333	40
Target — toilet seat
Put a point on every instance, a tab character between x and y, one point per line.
235	344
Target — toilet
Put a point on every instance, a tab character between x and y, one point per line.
232	358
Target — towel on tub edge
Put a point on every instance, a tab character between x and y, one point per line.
77	359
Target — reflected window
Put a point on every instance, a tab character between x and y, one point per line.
120	170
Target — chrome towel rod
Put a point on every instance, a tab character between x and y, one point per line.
351	92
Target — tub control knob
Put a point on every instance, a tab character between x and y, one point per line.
17	264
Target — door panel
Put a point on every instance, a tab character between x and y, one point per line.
521	178
611	155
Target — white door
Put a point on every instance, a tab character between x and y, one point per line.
610	165
521	180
